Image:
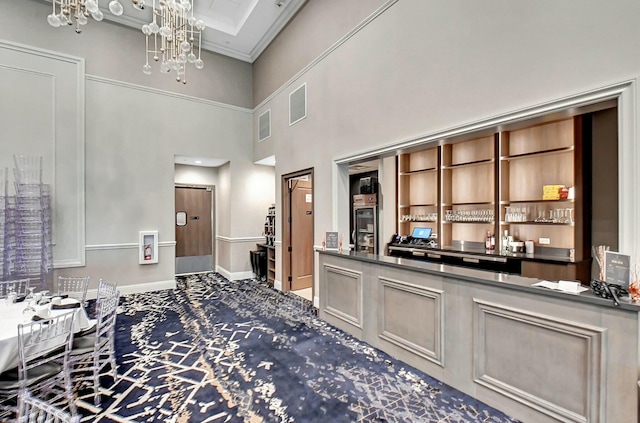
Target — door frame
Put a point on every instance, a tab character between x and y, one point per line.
214	250
286	228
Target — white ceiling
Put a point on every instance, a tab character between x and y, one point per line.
363	167
199	161
241	29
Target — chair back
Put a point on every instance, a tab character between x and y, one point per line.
34	410
44	341
27	169
106	316
74	287
19	286
106	289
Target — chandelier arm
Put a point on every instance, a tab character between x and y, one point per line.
174	28
146	45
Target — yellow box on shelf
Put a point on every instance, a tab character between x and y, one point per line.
552	192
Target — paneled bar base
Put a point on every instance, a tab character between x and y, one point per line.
537	355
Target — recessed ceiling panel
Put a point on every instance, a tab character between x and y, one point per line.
241	29
228	16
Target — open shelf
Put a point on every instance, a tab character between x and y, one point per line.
494	172
418	172
404	206
448	222
531	222
480	203
468	164
566	200
538	153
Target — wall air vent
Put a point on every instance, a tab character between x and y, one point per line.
264	125
298	104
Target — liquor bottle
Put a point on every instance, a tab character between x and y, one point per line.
487	241
505	242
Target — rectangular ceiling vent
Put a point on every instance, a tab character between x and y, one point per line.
264	125
298	104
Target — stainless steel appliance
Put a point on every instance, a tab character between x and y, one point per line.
365	220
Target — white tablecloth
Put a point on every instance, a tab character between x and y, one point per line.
11	315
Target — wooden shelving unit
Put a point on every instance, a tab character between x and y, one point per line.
270	226
547	154
268	246
271	265
495	183
467	191
417	190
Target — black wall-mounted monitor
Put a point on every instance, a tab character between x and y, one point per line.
421	233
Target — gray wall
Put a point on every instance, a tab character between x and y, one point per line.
195	175
317	25
421	68
116	52
131	129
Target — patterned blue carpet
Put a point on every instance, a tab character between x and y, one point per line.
215	350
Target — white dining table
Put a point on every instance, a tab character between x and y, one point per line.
11	315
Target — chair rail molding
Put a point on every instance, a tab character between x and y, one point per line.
125	246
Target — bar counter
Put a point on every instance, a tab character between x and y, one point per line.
538	355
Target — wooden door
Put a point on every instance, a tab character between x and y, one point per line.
193	231
301	234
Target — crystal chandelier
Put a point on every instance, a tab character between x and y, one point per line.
65	12
173	32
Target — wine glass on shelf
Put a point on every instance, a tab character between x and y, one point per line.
568	214
561	216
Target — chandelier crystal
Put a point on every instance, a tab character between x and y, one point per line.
173	32
65	12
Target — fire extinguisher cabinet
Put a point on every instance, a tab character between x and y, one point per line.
148	247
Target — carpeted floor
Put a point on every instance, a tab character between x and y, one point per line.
215	350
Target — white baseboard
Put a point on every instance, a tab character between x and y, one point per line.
277	285
235	276
138	288
316	302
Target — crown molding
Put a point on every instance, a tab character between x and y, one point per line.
166	93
